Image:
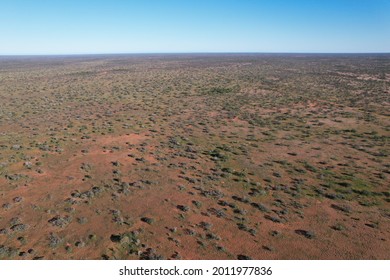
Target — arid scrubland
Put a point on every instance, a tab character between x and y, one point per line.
195	157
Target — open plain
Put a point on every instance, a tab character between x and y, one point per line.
203	156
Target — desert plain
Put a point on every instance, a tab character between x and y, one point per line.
195	156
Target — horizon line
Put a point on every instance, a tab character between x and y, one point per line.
181	53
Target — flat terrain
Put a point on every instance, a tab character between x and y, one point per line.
195	157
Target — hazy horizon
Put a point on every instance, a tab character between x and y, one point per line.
195	53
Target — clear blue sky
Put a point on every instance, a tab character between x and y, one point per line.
119	26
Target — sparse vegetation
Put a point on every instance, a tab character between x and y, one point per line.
184	157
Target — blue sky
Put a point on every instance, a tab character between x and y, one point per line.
119	26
